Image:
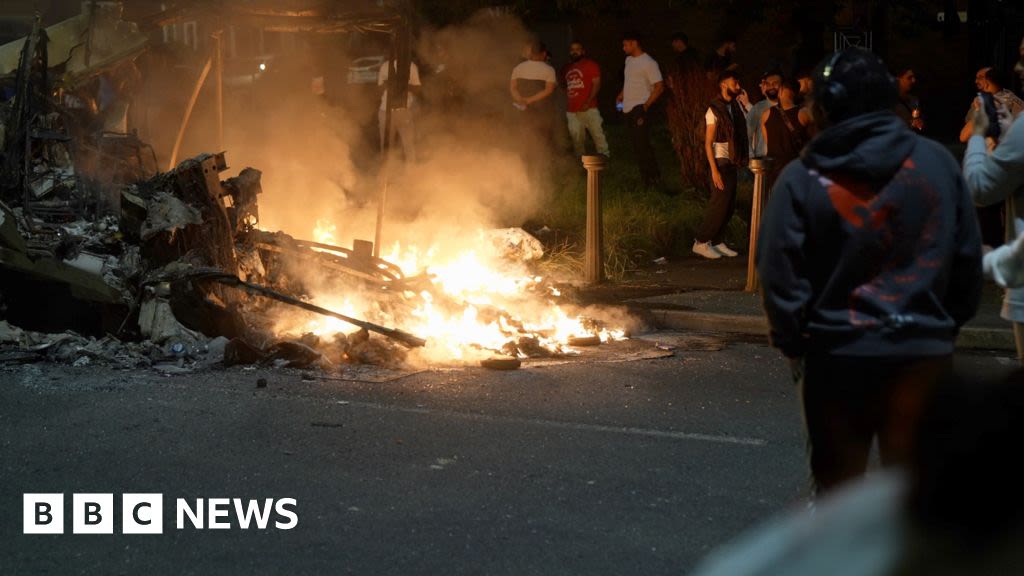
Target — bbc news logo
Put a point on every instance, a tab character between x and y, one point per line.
144	513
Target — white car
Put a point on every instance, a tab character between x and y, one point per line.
364	70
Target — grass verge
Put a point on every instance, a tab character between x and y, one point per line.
639	224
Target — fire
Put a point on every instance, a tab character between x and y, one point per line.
479	304
324	232
327	326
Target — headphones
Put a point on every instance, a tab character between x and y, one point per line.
833	94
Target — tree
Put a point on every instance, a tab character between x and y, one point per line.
689	91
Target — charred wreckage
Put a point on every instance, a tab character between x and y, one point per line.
104	258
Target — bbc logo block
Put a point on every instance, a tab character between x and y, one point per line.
43	513
142	514
92	514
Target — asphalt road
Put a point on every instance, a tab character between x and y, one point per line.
622	468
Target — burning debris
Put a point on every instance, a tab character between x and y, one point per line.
103	258
185	265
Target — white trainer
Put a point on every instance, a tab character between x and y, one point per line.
706	250
724	250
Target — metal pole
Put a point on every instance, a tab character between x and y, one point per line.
88	37
218	45
379	230
397	87
759	166
593	261
188	113
385	169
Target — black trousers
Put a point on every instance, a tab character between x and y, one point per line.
721	204
849	401
992	221
638	128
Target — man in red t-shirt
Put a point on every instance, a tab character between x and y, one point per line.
581	79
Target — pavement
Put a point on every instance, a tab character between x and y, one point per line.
708	296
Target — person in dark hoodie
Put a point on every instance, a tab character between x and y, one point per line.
870	262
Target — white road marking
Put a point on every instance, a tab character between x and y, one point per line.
628	430
579	426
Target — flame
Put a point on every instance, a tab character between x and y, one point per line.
324	232
327	325
479	302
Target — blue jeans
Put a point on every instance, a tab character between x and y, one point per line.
587	121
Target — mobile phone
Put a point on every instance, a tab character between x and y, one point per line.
988	105
618	106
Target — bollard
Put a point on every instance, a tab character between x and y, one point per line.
759	166
593	261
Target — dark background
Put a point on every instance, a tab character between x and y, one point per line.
793	34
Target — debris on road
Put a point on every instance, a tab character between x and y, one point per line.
506	363
584	341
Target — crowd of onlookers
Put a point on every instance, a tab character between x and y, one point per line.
736	127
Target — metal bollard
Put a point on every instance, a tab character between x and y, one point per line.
593	260
759	166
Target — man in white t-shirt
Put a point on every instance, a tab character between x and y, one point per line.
401	116
641	88
532	87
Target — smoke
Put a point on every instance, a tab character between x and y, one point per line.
475	168
303	148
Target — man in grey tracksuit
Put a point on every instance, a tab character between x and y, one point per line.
993	178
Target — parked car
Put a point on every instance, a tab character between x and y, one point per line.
364	70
